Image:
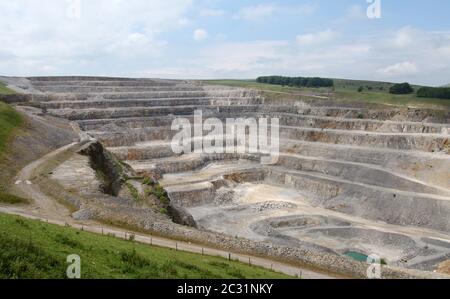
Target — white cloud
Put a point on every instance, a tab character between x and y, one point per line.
372	57
316	38
255	13
404	37
212	13
200	34
399	69
184	21
243	57
356	12
117	37
264	10
353	13
108	37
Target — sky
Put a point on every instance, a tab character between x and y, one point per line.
406	40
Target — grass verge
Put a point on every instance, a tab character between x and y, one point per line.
33	249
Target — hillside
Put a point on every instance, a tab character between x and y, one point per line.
10	120
5	90
23	139
33	249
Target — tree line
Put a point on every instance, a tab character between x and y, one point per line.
434	92
296	81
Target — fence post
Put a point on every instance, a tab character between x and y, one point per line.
229	256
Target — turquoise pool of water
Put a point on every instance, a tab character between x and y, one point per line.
360	257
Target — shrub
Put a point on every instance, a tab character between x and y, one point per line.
148	181
134	192
160	193
402	88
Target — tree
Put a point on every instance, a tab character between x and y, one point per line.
360	89
402	88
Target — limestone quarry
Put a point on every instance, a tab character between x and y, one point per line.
350	179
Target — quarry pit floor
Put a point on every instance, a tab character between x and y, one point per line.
267	211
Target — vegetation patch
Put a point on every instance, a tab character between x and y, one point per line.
160	193
155	190
5	90
23	259
34	249
134	192
434	92
9	121
296	81
12	199
402	88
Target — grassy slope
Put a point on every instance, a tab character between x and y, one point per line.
33	249
347	91
5	90
10	121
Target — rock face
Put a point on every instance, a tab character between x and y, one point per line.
181	216
372	180
111	171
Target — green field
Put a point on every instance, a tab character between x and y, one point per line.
33	249
344	91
